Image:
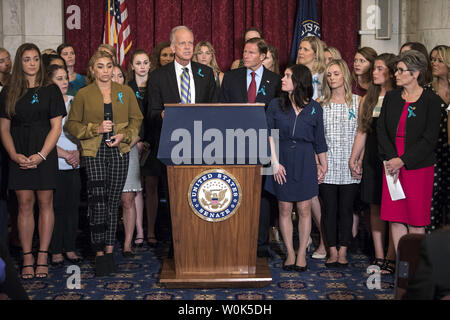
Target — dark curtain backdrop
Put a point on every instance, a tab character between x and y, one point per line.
222	22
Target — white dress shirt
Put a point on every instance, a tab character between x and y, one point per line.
258	77
179	71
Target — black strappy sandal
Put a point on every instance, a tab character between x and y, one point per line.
139	244
388	266
42	275
26	276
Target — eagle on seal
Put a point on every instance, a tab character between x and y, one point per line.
214	199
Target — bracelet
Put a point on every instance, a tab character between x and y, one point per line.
43	158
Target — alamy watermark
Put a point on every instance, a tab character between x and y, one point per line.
221	149
374	279
74	280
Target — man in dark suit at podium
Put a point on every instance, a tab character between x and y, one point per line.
254	84
181	81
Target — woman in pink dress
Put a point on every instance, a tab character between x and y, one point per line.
407	135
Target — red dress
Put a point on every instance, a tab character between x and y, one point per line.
417	185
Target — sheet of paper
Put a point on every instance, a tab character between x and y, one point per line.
395	189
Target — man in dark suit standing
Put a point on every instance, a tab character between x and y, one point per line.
181	81
254	84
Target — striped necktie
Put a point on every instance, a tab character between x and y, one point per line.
185	86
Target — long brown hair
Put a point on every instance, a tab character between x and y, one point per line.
156	53
130	72
373	92
18	84
276	65
369	54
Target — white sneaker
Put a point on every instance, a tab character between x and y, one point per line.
274	235
317	255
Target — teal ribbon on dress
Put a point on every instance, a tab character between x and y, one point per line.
313	111
35	99
315	80
411	112
139	95
262	90
199	72
351	114
120	96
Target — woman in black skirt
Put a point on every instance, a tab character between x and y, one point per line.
31	119
365	162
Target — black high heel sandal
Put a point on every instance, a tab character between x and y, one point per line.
42	275
140	244
24	276
388	266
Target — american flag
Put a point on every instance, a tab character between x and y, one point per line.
117	30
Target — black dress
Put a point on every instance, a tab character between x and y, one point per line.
372	177
29	128
441	196
148	133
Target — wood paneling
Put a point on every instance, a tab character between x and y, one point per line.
227	246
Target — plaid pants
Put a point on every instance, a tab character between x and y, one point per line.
106	176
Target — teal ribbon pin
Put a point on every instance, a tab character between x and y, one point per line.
35	99
351	114
120	96
199	72
411	112
313	111
262	90
139	95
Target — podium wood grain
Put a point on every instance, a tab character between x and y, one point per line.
215	250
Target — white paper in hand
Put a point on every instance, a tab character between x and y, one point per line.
395	188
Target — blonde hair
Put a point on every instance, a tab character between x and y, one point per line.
49	51
334	52
347	83
319	57
213	63
444	53
97	55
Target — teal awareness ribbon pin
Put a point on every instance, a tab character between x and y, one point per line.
120	96
351	114
262	90
411	112
199	72
313	111
35	99
139	95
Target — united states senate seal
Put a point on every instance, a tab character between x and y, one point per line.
215	195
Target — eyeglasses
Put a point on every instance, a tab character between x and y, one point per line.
400	70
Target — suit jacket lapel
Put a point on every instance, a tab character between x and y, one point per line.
243	84
197	80
173	84
264	83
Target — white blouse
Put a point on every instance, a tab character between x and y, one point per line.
340	123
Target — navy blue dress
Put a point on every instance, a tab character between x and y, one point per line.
301	137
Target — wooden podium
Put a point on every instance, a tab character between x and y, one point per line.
219	252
